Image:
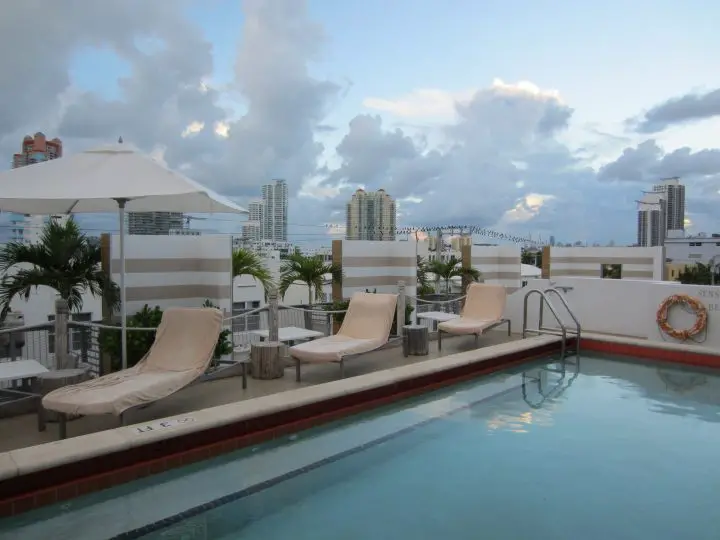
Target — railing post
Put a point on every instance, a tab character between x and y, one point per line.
12	351
61	334
400	307
273	322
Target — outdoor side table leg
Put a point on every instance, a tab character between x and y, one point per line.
244	375
41	415
62	425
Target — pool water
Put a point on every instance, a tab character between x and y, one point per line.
593	449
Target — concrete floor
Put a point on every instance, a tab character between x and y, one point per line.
21	431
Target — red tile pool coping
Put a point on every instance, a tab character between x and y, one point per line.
26	492
652	351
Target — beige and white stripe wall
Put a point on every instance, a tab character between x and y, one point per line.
636	262
181	271
374	266
498	264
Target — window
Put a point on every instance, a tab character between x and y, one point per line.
611	271
239	306
255	304
75	333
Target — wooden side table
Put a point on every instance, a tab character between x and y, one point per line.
416	338
266	361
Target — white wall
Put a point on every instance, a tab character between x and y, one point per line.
619	307
41	303
680	250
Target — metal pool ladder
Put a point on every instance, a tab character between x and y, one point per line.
541	329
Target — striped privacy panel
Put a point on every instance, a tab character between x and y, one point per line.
498	264
376	266
179	271
634	262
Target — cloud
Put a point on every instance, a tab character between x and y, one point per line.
421	103
679	110
648	162
275	137
493	155
699	170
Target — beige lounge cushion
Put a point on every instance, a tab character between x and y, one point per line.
484	306
183	349
366	327
333	348
463	325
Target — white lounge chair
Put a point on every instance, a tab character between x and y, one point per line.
483	310
366	327
182	351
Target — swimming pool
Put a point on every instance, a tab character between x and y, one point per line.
594	449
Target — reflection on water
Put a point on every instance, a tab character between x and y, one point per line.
542	388
668	390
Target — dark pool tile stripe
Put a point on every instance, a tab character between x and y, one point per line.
648	352
139	533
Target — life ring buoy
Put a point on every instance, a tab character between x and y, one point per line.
700	311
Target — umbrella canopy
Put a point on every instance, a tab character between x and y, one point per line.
109	179
94	180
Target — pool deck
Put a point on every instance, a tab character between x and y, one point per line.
21	431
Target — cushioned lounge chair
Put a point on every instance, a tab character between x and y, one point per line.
484	309
365	328
182	351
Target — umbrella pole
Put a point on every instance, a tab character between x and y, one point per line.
123	303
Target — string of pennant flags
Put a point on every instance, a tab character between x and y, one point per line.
462	230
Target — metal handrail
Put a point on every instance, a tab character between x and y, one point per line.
28	328
570	312
544	298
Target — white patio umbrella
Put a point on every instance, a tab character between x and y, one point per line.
108	179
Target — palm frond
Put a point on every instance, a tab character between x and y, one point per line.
310	270
249	263
63	259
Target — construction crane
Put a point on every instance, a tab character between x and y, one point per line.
189	218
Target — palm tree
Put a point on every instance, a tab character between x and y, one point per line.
63	259
451	268
249	263
423	283
311	271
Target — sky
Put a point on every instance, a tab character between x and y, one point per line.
522	116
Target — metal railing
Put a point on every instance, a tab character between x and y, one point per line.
435	302
37	342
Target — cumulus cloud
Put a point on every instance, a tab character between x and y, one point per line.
490	156
648	161
679	110
275	137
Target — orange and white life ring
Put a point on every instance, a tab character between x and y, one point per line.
700	311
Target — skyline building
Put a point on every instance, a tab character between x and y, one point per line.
274	211
673	191
34	149
651	220
371	215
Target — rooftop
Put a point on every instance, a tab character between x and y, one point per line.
21	431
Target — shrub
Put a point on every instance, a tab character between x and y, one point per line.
139	342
